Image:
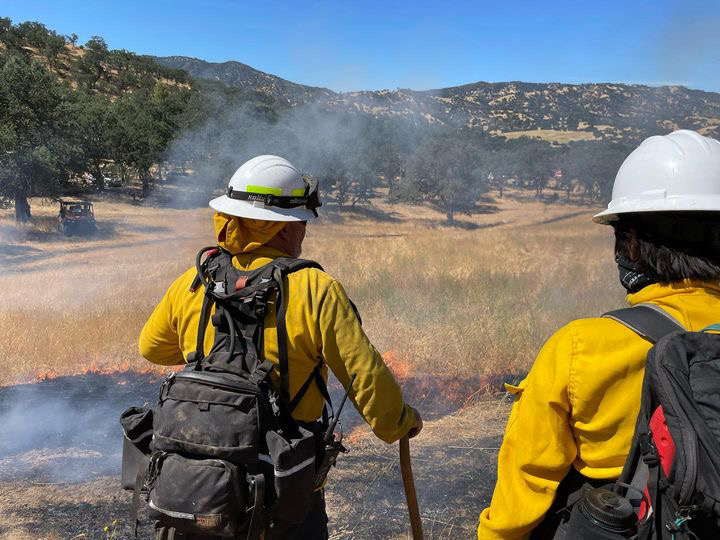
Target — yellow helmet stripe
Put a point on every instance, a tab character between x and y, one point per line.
262	190
278	192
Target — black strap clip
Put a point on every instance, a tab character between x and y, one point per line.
261	372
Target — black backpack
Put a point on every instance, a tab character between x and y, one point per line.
672	473
224	447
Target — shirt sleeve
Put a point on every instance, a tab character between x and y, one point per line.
347	351
538	448
159	341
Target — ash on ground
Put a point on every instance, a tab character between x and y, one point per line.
60	454
67	429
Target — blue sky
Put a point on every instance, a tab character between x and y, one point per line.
371	44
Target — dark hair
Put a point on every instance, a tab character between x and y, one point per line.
672	246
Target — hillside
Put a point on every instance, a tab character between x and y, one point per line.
242	76
615	111
552	111
91	67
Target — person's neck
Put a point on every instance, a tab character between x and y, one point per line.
281	245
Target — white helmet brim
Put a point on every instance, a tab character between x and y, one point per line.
258	210
681	203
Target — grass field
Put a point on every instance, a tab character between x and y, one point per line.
478	299
468	303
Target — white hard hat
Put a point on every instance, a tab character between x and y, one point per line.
269	188
666	173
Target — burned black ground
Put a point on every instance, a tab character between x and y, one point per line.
60	453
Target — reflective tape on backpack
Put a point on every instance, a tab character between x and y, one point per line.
171	513
296	468
291	470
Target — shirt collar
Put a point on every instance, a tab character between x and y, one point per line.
656	291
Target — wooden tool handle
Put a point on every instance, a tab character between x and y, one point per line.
409	485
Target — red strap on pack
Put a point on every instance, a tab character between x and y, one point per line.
665	446
663	440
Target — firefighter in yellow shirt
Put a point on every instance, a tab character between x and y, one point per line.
574	414
257	221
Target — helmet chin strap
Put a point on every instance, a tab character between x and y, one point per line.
630	275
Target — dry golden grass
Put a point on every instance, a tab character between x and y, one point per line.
476	300
74	304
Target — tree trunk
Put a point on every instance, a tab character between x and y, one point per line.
341	192
450	214
145	184
99	180
22	207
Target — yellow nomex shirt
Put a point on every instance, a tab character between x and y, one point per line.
321	323
578	406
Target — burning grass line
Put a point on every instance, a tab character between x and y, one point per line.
499	285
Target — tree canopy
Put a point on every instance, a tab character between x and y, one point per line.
54	127
69	112
34	154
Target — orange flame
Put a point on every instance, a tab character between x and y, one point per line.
356	433
122	367
400	366
45	375
420	389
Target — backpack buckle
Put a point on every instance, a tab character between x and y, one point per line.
261	372
647	450
218	288
651	458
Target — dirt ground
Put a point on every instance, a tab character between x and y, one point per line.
453	461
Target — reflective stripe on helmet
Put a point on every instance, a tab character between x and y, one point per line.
307	197
278	192
262	190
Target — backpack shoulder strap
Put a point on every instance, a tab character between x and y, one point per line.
214	253
293	265
287	265
647	320
283	266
